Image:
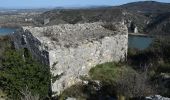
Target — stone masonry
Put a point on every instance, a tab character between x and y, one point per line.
71	50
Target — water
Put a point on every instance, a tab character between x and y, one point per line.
139	42
6	31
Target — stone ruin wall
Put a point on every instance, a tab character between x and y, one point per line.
72	50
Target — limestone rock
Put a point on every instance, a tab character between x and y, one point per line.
69	98
157	97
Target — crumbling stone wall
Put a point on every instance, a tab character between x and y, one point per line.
72	50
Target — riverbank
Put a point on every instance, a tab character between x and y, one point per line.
140	34
9	26
149	35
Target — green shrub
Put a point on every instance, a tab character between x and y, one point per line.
108	72
18	72
163	68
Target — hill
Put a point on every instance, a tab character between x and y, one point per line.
148	16
73	16
159	24
147	7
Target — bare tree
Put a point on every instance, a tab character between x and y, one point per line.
131	84
27	95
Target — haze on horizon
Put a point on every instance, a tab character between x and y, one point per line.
63	3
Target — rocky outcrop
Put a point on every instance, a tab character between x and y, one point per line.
157	97
72	50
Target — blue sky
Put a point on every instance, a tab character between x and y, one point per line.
61	3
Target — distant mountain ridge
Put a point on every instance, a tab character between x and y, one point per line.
95	14
147	6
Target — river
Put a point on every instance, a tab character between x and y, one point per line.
139	42
6	31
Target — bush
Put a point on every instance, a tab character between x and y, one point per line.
157	57
161	47
121	79
75	91
163	68
105	72
18	72
4	43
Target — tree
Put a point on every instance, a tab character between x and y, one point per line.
18	72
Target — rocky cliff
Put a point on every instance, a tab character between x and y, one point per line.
72	50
